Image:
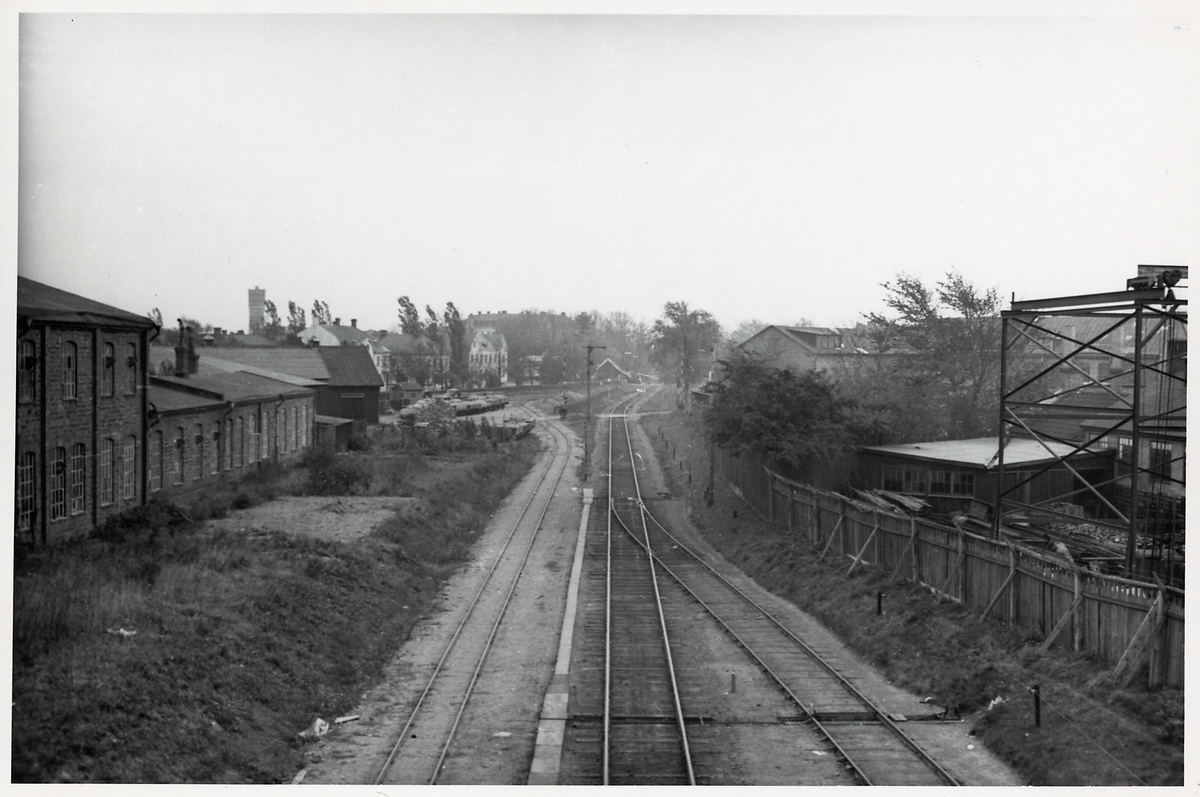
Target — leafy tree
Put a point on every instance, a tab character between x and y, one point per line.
456	328
799	418
296	320
155	315
272	327
320	312
679	339
952	335
410	318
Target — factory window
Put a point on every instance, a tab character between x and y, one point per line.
914	481
177	456
215	467
265	437
26	470
228	451
1160	459
964	484
238	443
940	482
1124	448
106	472
154	461
58	484
131	362
108	370
198	439
27	371
78	478
129	468
70	374
252	431
893	479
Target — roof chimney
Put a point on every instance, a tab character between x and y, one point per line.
337	322
354	323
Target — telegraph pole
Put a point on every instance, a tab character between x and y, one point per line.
587	419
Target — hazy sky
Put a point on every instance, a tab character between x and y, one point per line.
776	167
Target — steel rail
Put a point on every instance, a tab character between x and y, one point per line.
469	691
391	757
878	712
687	755
608	603
754	655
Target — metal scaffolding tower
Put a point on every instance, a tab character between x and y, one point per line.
1100	372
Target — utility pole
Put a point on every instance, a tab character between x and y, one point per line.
587	418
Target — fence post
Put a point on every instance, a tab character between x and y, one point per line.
878	560
770	496
1012	590
1077	609
916	552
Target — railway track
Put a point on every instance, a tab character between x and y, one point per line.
638	739
427	739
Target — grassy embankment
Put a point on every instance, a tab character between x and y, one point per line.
1102	735
242	639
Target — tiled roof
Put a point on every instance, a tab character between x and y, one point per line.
295	361
812	330
349	366
344	333
248	340
41	302
224	366
407	344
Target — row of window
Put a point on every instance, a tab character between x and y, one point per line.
68	479
109	366
1160	454
929	482
117	463
237	442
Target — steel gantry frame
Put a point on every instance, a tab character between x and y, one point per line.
1078	371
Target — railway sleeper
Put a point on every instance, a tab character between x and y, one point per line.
640	719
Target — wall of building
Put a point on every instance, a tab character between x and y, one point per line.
226	450
780	351
108	405
355	403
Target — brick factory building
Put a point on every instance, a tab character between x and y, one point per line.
81	412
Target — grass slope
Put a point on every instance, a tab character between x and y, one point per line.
241	639
1103	735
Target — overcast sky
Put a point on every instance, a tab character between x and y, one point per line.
778	167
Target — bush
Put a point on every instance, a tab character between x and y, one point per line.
338	475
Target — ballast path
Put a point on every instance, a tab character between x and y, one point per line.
547	752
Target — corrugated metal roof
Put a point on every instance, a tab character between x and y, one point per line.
41	302
977	452
238	387
165	399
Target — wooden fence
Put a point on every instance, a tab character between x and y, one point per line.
1125	623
